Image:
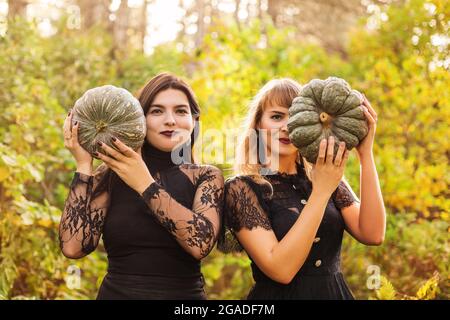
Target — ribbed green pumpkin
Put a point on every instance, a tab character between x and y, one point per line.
324	108
108	111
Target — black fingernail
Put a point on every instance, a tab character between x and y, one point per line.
69	112
99	143
76	122
114	139
96	153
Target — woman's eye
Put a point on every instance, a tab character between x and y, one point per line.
276	117
182	111
155	111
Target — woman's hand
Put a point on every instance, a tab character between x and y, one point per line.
328	172
365	148
82	157
128	164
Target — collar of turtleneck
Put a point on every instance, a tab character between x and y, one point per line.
158	160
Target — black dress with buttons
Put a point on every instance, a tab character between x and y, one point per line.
249	204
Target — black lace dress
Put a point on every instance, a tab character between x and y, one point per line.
249	205
147	238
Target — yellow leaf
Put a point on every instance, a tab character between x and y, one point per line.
428	290
4	173
386	291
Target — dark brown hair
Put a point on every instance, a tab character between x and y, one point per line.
163	81
146	95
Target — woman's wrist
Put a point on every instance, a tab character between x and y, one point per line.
366	158
320	195
145	185
85	168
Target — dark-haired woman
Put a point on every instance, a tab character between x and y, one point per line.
158	213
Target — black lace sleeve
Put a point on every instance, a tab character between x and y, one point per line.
84	214
195	228
244	208
343	196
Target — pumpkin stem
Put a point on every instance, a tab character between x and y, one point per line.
100	126
325	118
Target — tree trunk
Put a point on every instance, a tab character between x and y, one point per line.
120	27
200	9
143	25
273	10
259	10
93	13
236	13
16	8
87	13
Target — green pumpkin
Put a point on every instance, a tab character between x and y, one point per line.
106	112
326	108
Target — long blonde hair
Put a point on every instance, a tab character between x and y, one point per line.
279	92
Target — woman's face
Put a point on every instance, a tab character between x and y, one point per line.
169	120
274	120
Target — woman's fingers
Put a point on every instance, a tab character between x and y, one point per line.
75	132
110	151
66	126
67	131
339	154
344	159
110	162
330	150
123	148
369	107
322	152
368	115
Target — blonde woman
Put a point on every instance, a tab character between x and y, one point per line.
289	215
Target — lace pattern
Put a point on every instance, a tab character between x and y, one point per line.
194	228
84	213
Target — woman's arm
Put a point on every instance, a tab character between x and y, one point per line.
366	222
196	229
84	214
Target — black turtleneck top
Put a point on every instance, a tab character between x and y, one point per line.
148	234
